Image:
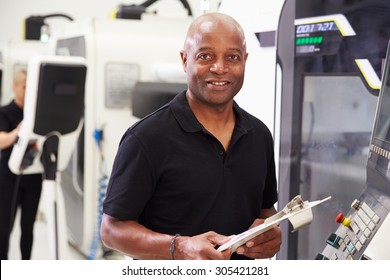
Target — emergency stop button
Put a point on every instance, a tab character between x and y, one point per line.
343	220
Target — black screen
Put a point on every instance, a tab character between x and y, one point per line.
60	100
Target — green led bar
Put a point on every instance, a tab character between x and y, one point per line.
309	40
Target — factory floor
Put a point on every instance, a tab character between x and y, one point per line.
41	247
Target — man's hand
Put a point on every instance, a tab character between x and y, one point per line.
265	245
201	247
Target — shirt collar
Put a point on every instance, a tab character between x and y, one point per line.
188	122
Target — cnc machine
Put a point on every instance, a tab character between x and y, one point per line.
330	60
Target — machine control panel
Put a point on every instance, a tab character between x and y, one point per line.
355	232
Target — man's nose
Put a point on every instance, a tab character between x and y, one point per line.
218	67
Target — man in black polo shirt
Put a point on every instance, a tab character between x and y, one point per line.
199	169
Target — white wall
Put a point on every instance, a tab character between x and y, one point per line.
14	12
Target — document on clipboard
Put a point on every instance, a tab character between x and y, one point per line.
297	211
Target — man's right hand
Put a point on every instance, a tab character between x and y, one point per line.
201	247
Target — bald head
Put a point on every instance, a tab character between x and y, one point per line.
213	23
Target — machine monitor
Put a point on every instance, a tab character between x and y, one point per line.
54	104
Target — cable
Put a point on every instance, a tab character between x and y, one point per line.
187	6
98	136
33	25
58	15
97	240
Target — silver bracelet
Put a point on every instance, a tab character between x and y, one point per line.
172	248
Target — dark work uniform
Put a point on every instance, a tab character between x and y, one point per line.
173	176
29	191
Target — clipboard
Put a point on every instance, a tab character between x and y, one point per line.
297	211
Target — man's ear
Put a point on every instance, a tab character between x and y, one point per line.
183	60
246	56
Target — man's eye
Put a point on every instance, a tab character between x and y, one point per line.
204	56
234	57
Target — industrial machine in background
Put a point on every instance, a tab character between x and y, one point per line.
134	68
330	62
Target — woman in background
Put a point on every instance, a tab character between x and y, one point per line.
23	191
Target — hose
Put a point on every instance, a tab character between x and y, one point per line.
98	136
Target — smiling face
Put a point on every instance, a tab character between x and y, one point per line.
214	59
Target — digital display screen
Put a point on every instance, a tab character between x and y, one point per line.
317	38
315	27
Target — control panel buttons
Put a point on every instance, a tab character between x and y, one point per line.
334	240
321	257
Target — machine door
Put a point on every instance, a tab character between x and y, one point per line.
337	118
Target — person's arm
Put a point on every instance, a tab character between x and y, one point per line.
7	139
265	245
138	242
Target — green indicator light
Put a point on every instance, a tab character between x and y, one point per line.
309	40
